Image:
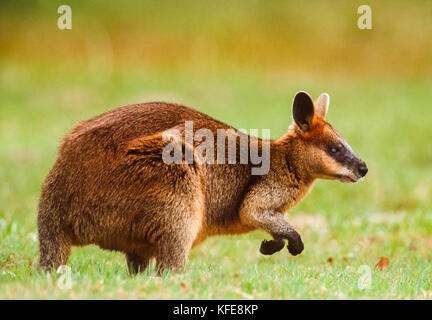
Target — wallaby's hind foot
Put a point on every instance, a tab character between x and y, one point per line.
54	252
136	263
173	255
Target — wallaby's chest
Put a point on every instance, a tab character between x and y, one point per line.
225	189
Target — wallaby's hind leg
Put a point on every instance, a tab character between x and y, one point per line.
172	253
54	250
174	259
174	206
54	243
136	263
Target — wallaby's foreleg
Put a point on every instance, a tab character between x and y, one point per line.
275	224
269	247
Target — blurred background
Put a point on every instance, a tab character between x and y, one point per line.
241	62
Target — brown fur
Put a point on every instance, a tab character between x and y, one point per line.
110	187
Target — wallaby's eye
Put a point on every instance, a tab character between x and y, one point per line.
334	149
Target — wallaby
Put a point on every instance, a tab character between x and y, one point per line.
110	186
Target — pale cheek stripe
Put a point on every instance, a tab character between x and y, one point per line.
345	172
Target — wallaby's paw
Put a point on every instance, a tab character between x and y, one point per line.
268	247
295	245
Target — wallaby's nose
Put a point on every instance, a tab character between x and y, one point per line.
363	169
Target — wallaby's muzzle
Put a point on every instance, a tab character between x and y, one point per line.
355	171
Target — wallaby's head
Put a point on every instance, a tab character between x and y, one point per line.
323	151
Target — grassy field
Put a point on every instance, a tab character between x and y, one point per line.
346	228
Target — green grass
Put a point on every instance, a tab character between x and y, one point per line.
387	122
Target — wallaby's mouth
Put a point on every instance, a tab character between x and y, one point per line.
343	177
347	179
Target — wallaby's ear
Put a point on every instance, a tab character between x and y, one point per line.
303	110
322	104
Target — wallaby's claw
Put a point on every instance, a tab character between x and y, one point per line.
295	245
268	247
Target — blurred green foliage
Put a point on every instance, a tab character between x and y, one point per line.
320	37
